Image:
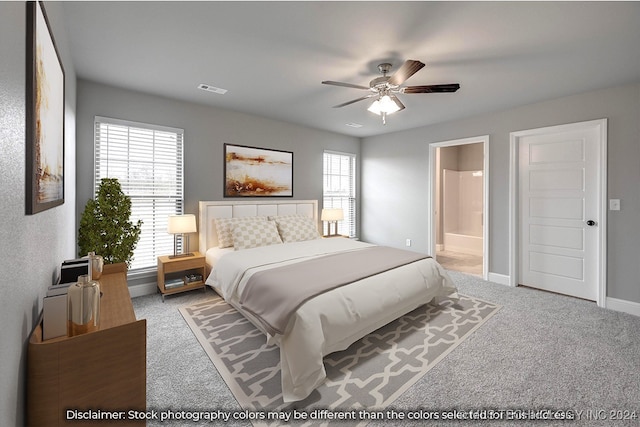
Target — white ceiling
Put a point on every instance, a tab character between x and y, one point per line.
272	56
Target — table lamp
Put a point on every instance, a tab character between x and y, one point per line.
330	216
181	224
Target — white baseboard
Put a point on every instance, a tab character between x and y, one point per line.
615	304
624	306
143	289
501	279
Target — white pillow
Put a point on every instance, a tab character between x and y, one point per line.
296	228
247	234
224	228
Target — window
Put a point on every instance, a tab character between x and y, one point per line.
147	160
339	190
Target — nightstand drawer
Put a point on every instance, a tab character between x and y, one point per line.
183	264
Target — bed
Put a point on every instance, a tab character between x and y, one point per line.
238	257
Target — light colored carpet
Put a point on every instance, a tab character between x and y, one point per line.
539	351
371	373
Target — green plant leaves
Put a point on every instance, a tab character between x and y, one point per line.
105	226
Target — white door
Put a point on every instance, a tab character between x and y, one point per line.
559	208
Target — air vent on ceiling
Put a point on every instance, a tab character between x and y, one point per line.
213	89
354	125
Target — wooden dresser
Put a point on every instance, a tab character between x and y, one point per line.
104	370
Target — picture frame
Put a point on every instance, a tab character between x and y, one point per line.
257	172
45	103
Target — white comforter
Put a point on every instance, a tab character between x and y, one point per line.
334	320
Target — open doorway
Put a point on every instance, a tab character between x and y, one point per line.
459	205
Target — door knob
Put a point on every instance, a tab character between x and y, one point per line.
591	223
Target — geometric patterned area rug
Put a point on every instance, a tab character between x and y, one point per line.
367	376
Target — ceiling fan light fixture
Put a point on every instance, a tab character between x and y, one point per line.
384	105
375	107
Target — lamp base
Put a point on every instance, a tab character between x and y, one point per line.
180	255
175	248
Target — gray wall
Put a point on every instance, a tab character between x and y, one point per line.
32	246
206	129
395	177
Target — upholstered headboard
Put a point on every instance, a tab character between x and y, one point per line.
209	211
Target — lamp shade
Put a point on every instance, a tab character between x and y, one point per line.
181	224
332	215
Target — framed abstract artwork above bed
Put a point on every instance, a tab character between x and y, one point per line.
44	115
257	172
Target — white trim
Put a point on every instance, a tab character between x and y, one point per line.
431	240
514	141
615	304
342	153
624	306
130	123
501	279
602	290
349	203
116	147
513	210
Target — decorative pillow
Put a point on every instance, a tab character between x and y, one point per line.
253	234
224	228
296	228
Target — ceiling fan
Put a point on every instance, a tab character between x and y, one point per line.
384	89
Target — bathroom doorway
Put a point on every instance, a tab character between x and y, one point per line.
459	205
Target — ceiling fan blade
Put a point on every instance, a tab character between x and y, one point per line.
431	88
328	82
354	101
398	102
408	69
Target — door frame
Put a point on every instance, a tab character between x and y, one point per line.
431	238
514	199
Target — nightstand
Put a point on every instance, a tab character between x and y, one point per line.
175	275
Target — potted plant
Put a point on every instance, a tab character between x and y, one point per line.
105	225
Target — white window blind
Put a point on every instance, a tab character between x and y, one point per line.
147	160
339	190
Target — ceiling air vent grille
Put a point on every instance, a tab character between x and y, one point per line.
213	89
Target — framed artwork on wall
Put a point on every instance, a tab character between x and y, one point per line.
257	172
44	115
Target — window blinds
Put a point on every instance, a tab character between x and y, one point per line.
148	162
339	189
